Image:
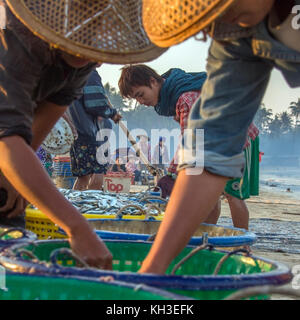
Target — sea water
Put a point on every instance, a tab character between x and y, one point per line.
280	179
272	234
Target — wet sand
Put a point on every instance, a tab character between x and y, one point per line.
272	208
280	207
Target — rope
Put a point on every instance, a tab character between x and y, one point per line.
193	252
263	290
224	258
119	214
21	252
151	206
12	230
147	198
68	253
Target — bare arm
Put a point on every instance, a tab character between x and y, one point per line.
45	117
24	171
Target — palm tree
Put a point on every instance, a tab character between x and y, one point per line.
263	118
275	127
286	122
115	98
295	110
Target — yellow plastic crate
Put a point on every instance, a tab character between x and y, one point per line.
37	222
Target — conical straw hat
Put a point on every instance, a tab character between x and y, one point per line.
100	30
169	22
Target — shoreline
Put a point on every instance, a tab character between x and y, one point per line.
268	207
274	207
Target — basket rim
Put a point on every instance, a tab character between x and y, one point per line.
59	42
280	275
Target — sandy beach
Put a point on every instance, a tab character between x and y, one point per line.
278	209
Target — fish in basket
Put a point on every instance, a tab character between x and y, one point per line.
136	227
197	272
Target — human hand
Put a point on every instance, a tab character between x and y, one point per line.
116	118
12	203
89	247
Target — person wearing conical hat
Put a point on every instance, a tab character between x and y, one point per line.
47	51
250	38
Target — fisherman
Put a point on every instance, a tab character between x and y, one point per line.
250	39
45	62
85	113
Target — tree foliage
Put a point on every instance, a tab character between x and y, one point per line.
282	129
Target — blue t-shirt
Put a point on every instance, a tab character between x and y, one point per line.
86	110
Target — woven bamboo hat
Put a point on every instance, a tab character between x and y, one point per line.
168	22
100	30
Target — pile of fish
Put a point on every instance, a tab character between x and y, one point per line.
105	203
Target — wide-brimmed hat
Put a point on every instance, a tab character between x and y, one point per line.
169	22
105	30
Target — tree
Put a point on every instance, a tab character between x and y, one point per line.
115	98
263	118
275	126
286	122
295	110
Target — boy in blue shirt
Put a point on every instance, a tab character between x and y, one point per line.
85	113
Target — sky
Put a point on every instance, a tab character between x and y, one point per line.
191	56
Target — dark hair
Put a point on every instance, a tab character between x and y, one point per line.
136	75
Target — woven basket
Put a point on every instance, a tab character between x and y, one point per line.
107	31
208	274
169	22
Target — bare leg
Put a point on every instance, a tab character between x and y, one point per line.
81	183
239	212
215	214
96	182
192	199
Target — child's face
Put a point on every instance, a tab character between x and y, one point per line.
147	95
247	13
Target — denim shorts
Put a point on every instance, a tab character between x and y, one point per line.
238	73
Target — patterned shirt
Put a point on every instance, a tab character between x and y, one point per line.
183	107
253	132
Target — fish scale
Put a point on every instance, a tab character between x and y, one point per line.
101	202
